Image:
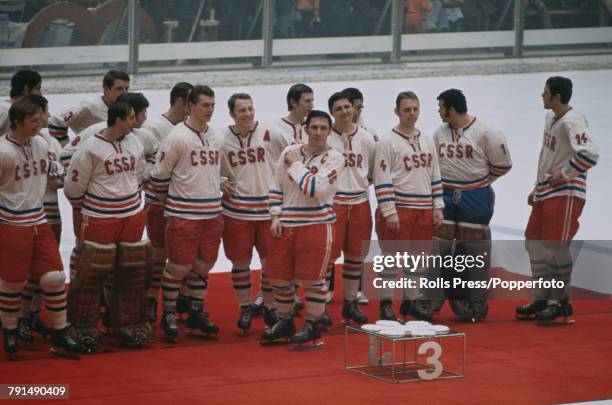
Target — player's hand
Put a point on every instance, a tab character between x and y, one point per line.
55	182
393	223
530	198
276	228
291	156
556	178
228	187
438	217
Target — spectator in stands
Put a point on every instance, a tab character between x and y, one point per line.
542	10
310	22
335	17
413	19
446	15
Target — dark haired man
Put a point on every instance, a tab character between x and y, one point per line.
568	152
472	156
23	83
91	110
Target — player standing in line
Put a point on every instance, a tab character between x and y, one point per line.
104	179
160	127
301	199
356	98
92	110
472	156
247	163
187	179
29	318
23	83
409	192
300	101
351	203
24	169
557	200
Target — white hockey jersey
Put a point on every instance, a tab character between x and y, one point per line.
88	112
406	173
302	194
471	157
159	126
287	133
71	147
50	201
567	146
5	124
248	162
358	149
23	180
104	177
187	173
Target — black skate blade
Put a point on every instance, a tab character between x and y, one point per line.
198	334
65	354
524	318
352	323
308	346
555	322
170	339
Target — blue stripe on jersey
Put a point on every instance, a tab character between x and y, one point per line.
312	187
196	200
383	186
20	212
578	169
303	177
244	198
412	195
591	161
198	213
433	183
298	209
239	211
556	190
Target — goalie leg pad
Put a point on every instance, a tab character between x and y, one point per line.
131	280
95	263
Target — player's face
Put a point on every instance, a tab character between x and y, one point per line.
358	108
342	110
203	110
126	125
443	111
118	88
44	118
546	98
140	118
244	113
306	103
408	112
37	90
318	130
30	126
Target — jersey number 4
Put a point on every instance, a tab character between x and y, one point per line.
383	165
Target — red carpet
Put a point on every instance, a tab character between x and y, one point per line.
507	362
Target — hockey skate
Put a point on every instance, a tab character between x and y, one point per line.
309	333
258	305
325	321
279	333
198	325
24	333
527	312
269	316
386	311
562	309
246	316
352	315
64	345
37	325
182	307
468	310
152	309
170	327
419	309
11	344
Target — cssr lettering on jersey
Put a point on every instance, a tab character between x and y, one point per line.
120	165
417	161
245	156
451	150
204	157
